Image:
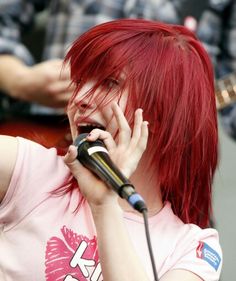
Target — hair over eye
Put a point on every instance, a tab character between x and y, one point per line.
111	83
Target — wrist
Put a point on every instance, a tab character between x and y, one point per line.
107	209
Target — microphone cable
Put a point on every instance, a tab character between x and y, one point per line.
149	244
94	156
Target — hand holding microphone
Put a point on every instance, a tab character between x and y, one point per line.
113	168
95	157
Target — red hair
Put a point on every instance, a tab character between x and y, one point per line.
169	76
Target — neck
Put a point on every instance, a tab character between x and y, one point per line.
148	189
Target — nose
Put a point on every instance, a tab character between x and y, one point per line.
84	101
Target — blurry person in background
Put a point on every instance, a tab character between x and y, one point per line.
217	31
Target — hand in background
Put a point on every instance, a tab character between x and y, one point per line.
46	83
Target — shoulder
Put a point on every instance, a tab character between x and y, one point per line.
35	165
35	160
187	233
30	149
36	173
198	250
189	247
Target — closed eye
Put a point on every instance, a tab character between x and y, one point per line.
111	83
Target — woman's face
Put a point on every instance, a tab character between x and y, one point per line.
86	113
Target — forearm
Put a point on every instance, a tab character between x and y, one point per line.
117	254
12	70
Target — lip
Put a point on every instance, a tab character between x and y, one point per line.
82	125
87	121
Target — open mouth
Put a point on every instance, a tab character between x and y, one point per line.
87	128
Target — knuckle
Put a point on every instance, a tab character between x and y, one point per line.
142	145
101	133
96	131
127	130
50	90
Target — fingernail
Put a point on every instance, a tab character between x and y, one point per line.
70	148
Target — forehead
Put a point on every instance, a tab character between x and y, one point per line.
104	90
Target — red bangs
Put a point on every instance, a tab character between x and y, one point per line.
169	76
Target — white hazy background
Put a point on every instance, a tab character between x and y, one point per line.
224	204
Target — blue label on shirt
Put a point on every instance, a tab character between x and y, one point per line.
205	252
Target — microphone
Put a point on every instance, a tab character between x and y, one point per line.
94	156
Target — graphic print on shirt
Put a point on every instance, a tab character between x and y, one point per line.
207	253
71	258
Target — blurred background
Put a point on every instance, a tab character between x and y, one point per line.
225	204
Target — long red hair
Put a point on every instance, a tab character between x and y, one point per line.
169	76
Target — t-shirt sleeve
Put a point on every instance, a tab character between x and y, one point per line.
199	252
37	172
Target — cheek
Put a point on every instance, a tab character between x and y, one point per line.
123	101
107	114
73	128
70	114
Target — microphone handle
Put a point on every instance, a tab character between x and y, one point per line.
100	163
97	163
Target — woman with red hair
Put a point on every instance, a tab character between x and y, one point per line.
146	90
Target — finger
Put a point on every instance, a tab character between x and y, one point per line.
141	145
138	121
60	101
71	155
70	159
104	136
65	73
142	142
56	62
60	87
64	97
123	125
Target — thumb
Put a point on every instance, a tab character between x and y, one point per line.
71	155
76	168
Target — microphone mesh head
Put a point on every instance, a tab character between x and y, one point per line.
80	139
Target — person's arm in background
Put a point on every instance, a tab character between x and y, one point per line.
20	78
216	30
43	83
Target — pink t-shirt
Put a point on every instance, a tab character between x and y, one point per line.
42	237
